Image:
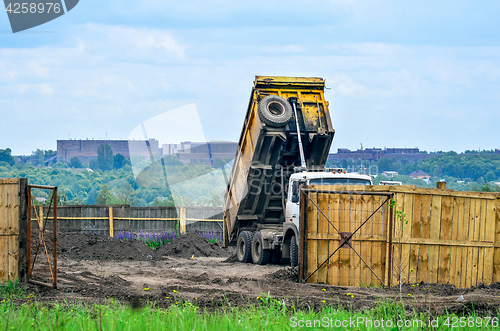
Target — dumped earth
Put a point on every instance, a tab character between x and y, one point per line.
193	245
78	246
94	268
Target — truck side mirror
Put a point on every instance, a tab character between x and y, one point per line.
295	192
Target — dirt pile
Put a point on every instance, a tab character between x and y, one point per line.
287	273
79	246
192	244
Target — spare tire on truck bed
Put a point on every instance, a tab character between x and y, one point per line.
275	111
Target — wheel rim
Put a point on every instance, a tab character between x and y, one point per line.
241	249
276	108
258	249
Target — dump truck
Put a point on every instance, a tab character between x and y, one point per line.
284	143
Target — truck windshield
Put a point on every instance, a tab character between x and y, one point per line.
339	181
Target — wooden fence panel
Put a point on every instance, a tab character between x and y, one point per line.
496	253
347	213
444	237
12	241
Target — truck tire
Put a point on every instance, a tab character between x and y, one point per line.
244	247
259	254
294	252
275	111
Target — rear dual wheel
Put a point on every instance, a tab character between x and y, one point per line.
244	246
259	254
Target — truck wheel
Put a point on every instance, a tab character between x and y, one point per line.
275	111
244	247
294	252
259	254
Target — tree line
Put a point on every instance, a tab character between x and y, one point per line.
109	179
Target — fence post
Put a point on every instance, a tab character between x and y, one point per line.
40	211
111	225
182	217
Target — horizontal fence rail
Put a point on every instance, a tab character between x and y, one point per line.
110	220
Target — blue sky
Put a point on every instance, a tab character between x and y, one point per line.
401	74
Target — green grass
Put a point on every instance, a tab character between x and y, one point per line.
269	314
11	289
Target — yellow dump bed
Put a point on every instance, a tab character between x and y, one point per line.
268	149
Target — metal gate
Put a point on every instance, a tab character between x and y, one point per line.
42	238
345	237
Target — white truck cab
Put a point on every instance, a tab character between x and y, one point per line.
327	177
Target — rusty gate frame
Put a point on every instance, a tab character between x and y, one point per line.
344	239
31	264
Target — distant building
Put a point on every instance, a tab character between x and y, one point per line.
375	154
419	174
389	173
201	152
86	150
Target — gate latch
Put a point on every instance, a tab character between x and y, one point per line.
343	237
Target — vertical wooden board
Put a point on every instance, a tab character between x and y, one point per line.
489	237
356	221
488	266
323	226
415	233
425	216
312	228
407	223
434	228
496	252
455	256
4	240
312	260
445	233
333	273
398	263
345	206
480	265
13	256
476	236
13	195
384	243
366	246
465	250
13	214
471	229
334	215
482	236
375	223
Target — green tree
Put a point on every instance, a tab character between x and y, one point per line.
119	161
75	162
5	155
105	157
104	197
92	196
38	157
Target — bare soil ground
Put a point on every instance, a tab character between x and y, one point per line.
94	275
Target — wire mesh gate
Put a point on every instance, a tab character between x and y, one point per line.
346	237
42	238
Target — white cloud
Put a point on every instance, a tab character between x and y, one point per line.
105	78
45	89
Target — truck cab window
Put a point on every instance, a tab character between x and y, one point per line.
296	190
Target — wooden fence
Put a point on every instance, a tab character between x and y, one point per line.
437	236
13	213
106	220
